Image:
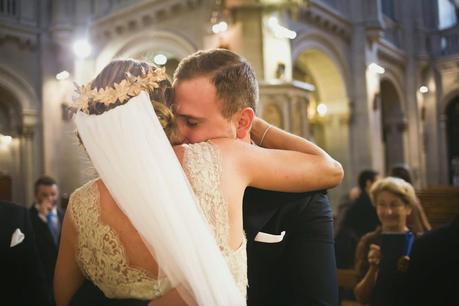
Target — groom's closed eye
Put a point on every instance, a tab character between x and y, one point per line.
189	121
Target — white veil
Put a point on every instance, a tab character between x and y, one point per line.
136	162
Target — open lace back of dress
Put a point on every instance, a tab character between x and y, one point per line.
136	253
101	248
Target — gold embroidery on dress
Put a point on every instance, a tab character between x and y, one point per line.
101	255
203	167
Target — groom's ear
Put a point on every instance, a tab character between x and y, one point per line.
244	122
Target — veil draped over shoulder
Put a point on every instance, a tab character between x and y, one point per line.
136	162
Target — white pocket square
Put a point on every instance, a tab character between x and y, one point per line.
17	238
269	238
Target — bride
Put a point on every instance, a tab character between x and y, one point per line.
142	229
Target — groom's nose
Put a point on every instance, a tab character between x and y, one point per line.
176	137
182	131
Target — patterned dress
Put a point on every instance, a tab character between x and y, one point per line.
102	257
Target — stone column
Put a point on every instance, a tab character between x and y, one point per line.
362	94
27	163
415	152
252	37
247	32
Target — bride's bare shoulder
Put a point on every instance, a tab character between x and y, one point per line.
232	147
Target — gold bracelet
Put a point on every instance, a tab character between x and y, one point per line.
264	134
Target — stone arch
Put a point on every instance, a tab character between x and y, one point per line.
451	115
396	81
444	103
18	158
164	40
317	41
22	91
447	99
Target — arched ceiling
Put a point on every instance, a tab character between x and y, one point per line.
390	101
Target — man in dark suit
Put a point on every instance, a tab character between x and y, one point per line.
290	237
22	275
46	220
433	272
300	269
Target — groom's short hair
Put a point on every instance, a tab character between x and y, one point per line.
232	76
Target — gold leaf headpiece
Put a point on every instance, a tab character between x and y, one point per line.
129	87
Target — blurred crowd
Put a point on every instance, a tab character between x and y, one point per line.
382	232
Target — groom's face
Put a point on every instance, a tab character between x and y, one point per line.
199	111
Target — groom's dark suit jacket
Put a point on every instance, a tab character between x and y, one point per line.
299	270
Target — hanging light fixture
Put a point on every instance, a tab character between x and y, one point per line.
423	89
5	140
82	48
218	24
375	68
160	59
322	109
279	30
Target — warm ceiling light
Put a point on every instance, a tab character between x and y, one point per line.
322	109
5	140
63	75
375	68
160	59
82	48
220	27
279	30
423	89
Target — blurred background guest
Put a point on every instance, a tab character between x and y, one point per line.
417	220
359	219
346	202
46	220
394	200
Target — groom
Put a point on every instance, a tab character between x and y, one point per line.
290	236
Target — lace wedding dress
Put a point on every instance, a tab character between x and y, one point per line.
101	255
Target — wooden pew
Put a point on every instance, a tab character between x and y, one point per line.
346	278
5	187
441	204
346	281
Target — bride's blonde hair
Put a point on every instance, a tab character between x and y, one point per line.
123	69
